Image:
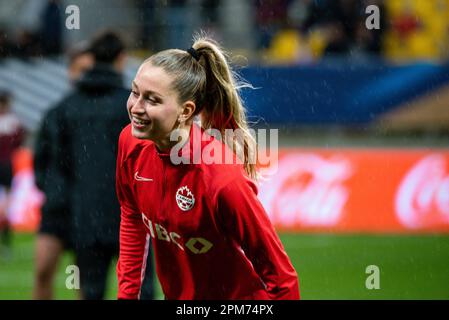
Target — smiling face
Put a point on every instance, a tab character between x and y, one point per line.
153	105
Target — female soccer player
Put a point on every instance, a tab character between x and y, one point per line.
211	237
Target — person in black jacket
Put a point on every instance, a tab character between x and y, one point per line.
91	123
88	126
54	233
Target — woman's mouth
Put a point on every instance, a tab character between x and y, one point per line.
140	123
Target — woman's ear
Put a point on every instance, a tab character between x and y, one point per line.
188	109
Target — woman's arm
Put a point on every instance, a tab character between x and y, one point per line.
132	247
132	236
247	223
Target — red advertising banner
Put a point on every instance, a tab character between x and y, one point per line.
321	190
359	190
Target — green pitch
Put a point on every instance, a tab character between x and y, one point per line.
329	267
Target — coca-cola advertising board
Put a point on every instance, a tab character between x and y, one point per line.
359	190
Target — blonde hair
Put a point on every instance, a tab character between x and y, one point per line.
211	83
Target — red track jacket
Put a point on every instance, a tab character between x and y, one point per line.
211	237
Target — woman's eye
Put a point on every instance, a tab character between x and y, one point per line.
135	93
152	100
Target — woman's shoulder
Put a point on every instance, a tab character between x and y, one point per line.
229	182
219	163
220	176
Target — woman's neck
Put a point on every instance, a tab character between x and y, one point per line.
177	135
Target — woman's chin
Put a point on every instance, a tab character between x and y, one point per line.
140	134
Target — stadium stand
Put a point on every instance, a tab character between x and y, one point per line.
38	84
337	94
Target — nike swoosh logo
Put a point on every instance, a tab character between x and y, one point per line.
139	178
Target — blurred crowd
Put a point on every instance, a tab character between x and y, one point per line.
39	31
303	30
292	31
74	217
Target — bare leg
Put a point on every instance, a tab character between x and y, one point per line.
48	250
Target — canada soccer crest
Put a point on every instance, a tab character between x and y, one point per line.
185	198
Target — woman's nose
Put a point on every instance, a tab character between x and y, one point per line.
137	107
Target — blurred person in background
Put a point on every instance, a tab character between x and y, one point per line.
80	60
51	28
337	19
370	42
39	29
12	135
176	19
54	234
27	45
271	16
148	22
342	23
87	131
210	15
6	45
28	23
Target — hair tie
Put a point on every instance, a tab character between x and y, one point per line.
193	53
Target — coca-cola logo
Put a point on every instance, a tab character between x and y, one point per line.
307	190
423	194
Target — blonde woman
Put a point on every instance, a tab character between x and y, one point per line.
210	234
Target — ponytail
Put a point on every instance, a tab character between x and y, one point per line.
222	106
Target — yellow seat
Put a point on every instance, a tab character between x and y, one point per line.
285	46
430	40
